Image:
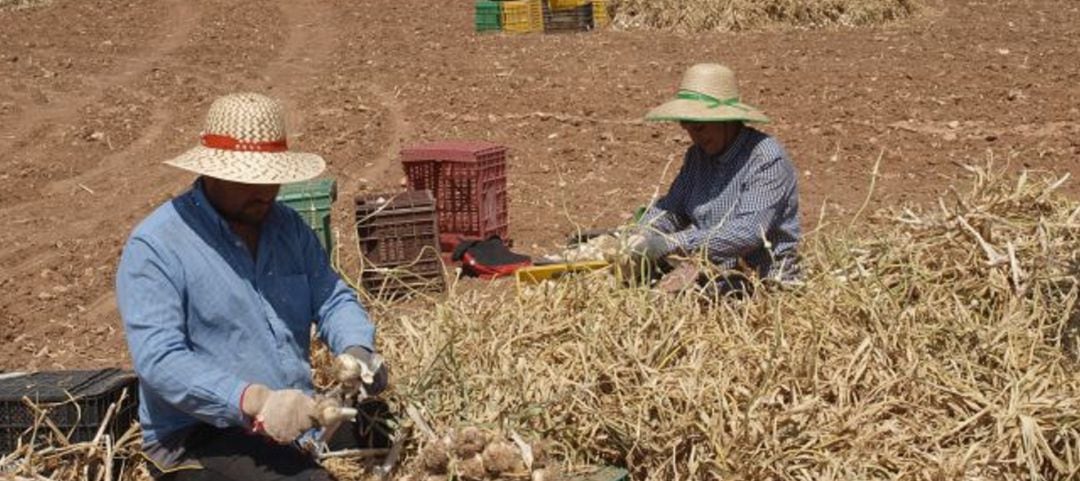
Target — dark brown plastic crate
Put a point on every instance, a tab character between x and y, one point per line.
575	19
398	236
76	402
468	181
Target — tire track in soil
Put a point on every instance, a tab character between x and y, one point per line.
377	167
303	56
293	65
65	106
382	168
290	65
184	16
72	239
306	53
322	34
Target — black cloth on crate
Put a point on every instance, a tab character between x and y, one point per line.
488	258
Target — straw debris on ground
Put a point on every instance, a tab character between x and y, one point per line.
46	452
927	343
741	15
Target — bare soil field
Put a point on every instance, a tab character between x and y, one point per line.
94	94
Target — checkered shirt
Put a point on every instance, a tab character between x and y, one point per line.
740	204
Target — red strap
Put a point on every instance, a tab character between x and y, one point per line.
485	271
223	142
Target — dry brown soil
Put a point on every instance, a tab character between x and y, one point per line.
94	94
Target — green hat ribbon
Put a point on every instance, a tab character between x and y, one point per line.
710	101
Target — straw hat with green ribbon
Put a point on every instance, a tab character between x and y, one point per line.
708	93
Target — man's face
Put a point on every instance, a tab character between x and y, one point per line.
712	137
242	203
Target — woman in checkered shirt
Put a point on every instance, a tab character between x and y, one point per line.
735	200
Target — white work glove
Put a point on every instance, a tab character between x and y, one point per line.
648	245
283	415
330	415
358	368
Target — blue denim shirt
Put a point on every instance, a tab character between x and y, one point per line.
203	319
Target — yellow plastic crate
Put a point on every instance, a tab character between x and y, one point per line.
566	4
536	274
600	14
522	16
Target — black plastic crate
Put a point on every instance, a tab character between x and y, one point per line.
577	19
76	402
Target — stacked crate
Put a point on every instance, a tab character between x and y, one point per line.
488	16
600	15
76	402
522	16
568	16
468	180
398	237
525	16
567	4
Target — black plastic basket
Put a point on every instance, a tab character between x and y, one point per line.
577	19
75	401
399	239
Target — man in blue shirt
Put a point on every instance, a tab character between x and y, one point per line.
734	201
218	290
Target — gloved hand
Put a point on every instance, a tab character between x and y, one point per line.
359	368
684	276
648	245
330	416
283	415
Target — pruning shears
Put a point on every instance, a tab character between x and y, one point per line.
330	408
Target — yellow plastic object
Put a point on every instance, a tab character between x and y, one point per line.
522	16
536	274
566	4
600	13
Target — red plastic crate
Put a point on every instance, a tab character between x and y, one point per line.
468	180
398	238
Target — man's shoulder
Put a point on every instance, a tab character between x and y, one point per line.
158	224
155	237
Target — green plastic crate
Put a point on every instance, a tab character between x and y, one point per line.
312	200
488	16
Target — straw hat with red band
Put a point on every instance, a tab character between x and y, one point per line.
708	93
244	141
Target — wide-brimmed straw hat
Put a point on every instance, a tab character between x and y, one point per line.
244	141
708	93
